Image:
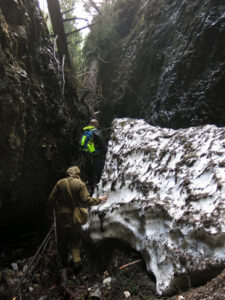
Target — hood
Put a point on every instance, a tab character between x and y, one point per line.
73	171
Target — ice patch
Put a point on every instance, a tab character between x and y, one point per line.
166	196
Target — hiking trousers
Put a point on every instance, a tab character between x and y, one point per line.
68	238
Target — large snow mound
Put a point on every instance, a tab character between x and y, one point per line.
166	193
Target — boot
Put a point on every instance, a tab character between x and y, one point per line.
63	277
77	266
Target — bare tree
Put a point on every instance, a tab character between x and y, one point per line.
58	28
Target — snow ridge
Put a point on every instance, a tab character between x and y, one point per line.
166	193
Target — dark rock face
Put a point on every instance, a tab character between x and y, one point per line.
171	67
39	126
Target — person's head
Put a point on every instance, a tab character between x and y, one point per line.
94	123
73	171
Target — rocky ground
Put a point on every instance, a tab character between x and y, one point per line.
100	277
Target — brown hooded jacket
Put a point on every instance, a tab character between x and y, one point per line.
69	193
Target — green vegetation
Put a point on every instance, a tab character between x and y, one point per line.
102	41
75	39
111	23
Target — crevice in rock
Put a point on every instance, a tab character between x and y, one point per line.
106	251
192	280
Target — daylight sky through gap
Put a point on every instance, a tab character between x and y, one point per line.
79	12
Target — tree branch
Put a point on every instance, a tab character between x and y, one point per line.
74	18
79	29
65	12
102	60
95	6
84	95
129	264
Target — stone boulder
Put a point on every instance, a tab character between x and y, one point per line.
166	199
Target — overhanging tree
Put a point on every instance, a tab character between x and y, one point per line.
59	31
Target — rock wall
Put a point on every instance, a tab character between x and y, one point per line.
169	63
39	126
166	199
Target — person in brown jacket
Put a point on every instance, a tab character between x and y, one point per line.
68	201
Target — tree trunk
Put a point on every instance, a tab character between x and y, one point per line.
58	28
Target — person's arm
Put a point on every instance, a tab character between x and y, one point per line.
87	199
100	142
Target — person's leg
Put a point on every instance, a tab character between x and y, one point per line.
75	241
87	166
62	245
90	173
98	164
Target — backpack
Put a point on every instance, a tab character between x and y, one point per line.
87	142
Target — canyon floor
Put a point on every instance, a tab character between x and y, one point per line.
99	278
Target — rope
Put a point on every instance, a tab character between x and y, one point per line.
36	254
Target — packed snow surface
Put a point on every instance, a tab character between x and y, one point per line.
166	192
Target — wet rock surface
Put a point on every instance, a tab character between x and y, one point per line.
169	65
166	199
39	125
